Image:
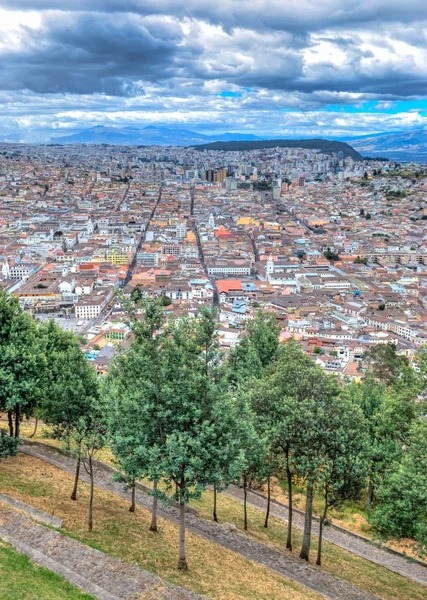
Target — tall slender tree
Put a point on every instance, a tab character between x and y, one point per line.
344	460
90	432
22	363
134	390
402	499
256	352
199	423
70	388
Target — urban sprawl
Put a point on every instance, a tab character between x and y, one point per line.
336	248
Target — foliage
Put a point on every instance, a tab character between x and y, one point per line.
385	363
22	362
331	254
8	445
402	500
256	352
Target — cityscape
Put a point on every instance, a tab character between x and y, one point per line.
335	247
213	300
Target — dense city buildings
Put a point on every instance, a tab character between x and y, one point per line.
337	248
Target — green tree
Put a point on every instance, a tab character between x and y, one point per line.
70	388
389	415
402	500
344	457
313	433
385	363
134	390
8	445
254	443
198	423
257	350
331	254
90	435
136	295
22	363
289	402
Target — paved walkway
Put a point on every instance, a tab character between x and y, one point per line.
284	563
355	544
96	573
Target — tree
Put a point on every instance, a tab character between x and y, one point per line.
8	445
402	498
90	434
134	391
253	441
315	392
287	401
389	415
22	363
136	295
331	254
384	362
257	350
345	457
69	391
198	423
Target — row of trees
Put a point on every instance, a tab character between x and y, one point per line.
176	413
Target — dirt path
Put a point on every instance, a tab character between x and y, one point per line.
96	573
355	544
283	563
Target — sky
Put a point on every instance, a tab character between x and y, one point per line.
272	67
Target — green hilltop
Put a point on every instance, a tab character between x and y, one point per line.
325	146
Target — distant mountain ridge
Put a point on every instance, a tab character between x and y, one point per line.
326	146
164	136
402	146
148	136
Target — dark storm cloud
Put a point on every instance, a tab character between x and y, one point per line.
81	54
173	59
305	15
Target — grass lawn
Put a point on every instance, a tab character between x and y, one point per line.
218	573
21	579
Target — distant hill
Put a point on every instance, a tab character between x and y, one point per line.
148	136
326	146
402	146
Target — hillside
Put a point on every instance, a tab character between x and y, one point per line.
401	146
326	146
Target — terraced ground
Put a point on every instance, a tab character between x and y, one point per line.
21	579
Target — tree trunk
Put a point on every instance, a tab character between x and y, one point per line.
370	497
322	520
305	548
35	428
10	421
245	499
290	509
132	506
215	517
76	478
153	525
182	563
90	514
267	514
17	421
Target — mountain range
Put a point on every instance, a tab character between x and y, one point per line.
401	146
148	136
163	136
